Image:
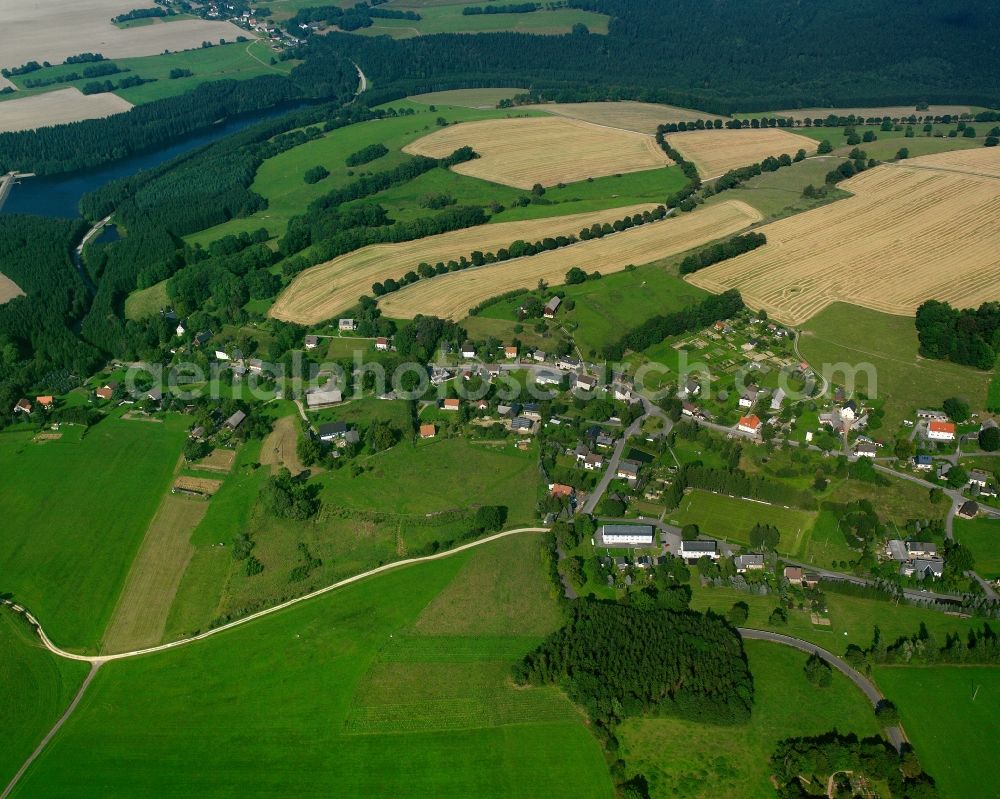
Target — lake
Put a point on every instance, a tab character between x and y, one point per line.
59	195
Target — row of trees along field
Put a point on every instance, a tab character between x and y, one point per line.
81	145
970	336
36	340
831	69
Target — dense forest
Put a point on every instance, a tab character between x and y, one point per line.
748	55
618	660
970	336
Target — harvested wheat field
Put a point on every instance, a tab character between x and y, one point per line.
868	111
450	296
326	289
58	108
218	460
715	152
523	152
983	161
627	114
907	235
205	486
9	289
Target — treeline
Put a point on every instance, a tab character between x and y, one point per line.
683	197
518	249
359	16
737	483
970	336
99	87
140	13
734	178
94	71
737	245
618	661
36	338
976	647
796	760
366	154
654	330
514	8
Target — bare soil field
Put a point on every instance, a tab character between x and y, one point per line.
50	30
57	108
909	233
450	296
627	114
523	152
200	485
715	152
218	460
279	448
8	288
141	614
884	111
326	289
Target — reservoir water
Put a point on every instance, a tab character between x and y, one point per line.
59	195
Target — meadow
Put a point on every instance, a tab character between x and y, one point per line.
468	98
75	511
450	296
900	377
695	760
293	703
955	735
35	688
324	290
930	228
982	536
545	150
732	518
715	152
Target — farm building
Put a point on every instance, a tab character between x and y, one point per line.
338	433
551	307
234	421
323	398
695	550
548	378
941	431
522	425
627	535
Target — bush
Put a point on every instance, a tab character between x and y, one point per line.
316	174
818	671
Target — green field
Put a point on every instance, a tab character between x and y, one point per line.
318	699
825	544
691	760
732	518
35	688
954	735
147	302
237	60
470	98
447	17
75	511
982	536
888	143
904	381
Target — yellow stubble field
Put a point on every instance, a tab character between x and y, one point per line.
450	296
324	290
917	230
715	152
626	114
9	289
546	150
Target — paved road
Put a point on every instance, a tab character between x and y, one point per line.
896	735
616	456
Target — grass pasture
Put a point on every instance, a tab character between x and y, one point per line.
931	229
450	296
627	114
75	512
322	291
143	303
319	699
523	152
696	760
954	736
899	376
732	519
35	688
715	152
468	98
982	536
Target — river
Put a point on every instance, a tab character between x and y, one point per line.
59	195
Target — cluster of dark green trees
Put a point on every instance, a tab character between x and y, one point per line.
289	498
737	483
683	198
737	245
346	19
831	68
735	177
796	761
975	647
98	70
512	8
618	661
366	154
654	330
969	336
140	13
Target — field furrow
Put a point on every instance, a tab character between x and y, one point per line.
450	296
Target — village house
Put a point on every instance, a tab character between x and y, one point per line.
450	404
979	478
311	342
23	406
940	431
922	568
604	440
920	549
923	462
107	391
866	449
522	426
628	470
793	574
202	337
481	405
695	550
580	453
849	411
510	352
777	399
810	579
468	350
560	490
538	356
548	378
256	366
46	401
382	344
969	510
234	421
644	562
346	325
622	392
692	388
750	562
749	398
568	362
749	424
593	461
180	330
551	307
624	535
585	382
532	410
